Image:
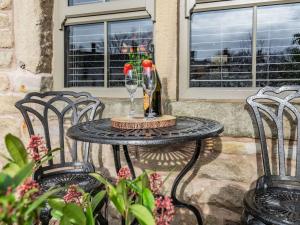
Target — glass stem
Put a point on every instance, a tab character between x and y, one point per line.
132	103
150	107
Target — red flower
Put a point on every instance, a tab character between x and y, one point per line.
124	174
37	146
164	211
73	195
28	185
147	63
126	69
155	182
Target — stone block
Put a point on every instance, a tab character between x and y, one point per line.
230	167
7	103
4	20
33	34
4	81
5	4
25	81
6	38
6	58
8	124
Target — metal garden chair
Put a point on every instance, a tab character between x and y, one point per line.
276	198
48	114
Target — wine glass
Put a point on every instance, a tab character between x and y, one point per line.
149	84
131	83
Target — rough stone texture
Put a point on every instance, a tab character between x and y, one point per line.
4	20
6	58
8	101
8	124
165	43
33	31
24	81
6	38
4	81
5	4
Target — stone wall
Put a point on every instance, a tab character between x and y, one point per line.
229	164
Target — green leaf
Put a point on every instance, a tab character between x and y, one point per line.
143	215
57	214
100	178
5	182
16	149
23	173
11	169
97	199
39	201
116	199
75	214
57	203
148	199
65	221
89	215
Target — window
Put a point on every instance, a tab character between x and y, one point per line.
278	45
85	55
221	52
232	48
94	38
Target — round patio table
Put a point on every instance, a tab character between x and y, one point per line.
186	129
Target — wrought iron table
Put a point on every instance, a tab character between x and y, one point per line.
186	129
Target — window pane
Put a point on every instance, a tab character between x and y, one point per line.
80	2
126	37
278	45
221	48
85	56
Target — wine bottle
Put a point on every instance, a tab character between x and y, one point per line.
156	97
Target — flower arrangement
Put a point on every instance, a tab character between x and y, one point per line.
139	199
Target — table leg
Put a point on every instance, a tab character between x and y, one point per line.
184	171
118	165
116	151
128	160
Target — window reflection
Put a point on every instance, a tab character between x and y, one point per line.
125	38
85	55
278	45
221	54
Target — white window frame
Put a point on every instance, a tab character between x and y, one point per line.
187	7
102	12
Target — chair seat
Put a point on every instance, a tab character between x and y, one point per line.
83	180
274	206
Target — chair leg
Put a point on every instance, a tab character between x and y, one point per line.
248	219
45	216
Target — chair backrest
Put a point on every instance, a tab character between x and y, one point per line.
280	108
49	114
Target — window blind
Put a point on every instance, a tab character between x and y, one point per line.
84	55
125	38
221	48
278	45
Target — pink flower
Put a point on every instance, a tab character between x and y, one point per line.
73	195
124	174
37	146
155	183
28	185
164	210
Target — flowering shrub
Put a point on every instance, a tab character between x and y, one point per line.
36	147
139	199
20	196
